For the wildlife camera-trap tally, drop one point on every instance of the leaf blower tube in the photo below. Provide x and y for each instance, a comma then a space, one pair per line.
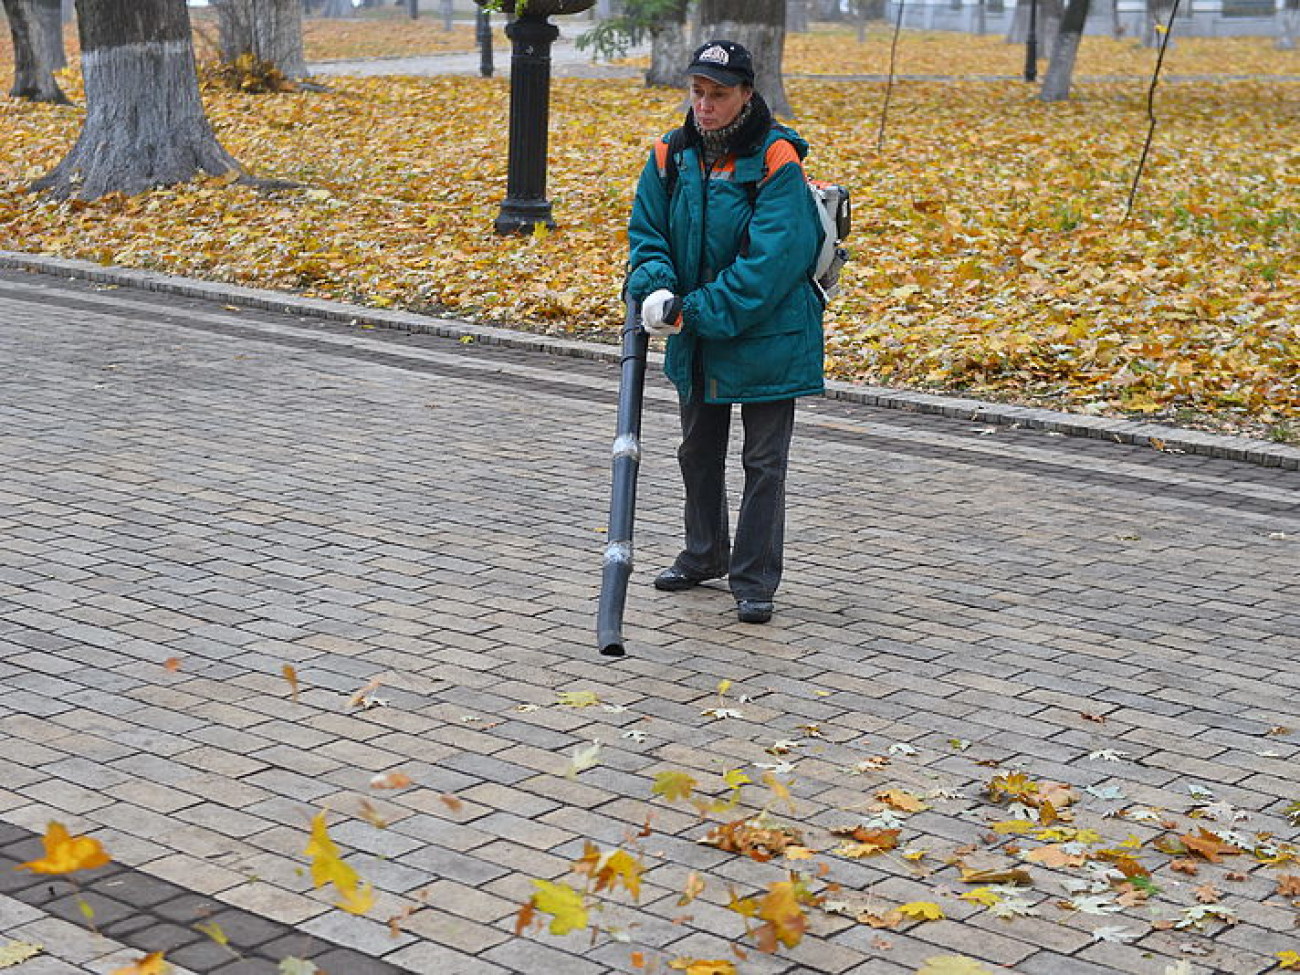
622, 500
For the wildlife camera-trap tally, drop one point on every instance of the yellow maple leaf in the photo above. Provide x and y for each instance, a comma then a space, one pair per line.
65, 853
563, 903
324, 853
327, 867
578, 699
695, 966
921, 911
673, 785
782, 909
1288, 960
608, 870
1014, 826
982, 895
150, 964
355, 899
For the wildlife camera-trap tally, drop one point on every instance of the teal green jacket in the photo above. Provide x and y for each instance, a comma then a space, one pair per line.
754, 319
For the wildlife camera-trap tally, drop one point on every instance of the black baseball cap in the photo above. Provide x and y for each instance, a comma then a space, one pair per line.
725, 62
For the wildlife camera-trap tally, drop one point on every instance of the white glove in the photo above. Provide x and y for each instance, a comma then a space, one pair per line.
661, 313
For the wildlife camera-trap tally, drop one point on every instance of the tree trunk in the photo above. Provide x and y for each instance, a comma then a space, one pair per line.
1288, 26
37, 30
52, 13
269, 30
1060, 69
760, 26
145, 125
670, 49
337, 8
796, 13
1049, 23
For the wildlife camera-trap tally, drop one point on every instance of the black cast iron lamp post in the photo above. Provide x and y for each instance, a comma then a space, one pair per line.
531, 36
1031, 43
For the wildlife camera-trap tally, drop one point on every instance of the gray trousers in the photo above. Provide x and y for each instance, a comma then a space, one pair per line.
753, 563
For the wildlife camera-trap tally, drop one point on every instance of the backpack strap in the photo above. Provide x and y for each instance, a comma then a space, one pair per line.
668, 152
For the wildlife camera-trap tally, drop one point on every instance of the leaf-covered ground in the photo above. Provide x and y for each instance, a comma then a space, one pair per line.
990, 252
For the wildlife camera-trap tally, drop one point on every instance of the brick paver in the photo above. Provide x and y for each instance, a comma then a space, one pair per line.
193, 497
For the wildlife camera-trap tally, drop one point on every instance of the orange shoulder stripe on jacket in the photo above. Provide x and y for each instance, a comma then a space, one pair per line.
778, 154
661, 155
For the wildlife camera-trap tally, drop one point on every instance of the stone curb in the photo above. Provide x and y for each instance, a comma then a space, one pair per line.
1169, 439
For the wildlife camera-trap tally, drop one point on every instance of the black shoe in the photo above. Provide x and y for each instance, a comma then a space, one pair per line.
753, 610
674, 579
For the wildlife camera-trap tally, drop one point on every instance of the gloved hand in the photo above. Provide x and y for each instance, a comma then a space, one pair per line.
661, 313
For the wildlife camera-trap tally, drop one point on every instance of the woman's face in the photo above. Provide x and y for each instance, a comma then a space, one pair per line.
716, 106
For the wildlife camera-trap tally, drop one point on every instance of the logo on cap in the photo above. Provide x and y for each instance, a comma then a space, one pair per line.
716, 53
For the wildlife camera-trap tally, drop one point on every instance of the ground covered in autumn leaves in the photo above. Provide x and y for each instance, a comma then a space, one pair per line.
991, 253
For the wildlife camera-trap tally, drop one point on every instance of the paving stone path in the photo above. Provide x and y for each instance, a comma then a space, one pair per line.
196, 494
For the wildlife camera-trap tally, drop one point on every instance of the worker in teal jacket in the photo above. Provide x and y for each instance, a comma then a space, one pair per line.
723, 236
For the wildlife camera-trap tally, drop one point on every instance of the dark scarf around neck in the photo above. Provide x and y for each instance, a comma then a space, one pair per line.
743, 136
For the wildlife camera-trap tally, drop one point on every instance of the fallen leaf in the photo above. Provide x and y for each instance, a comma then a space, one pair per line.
694, 966
150, 964
673, 785
953, 965
694, 887
1288, 960
921, 911
65, 853
1288, 885
782, 911
214, 931
577, 699
1012, 876
1206, 894
1056, 857
757, 842
1208, 845
902, 800
291, 676
390, 780
563, 903
1116, 935
584, 757
17, 952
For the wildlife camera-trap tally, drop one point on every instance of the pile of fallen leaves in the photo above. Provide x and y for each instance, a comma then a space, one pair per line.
991, 253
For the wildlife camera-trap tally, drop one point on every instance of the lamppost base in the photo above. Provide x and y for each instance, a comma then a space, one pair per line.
523, 216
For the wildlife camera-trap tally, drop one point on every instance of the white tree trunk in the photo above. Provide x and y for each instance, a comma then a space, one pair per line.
37, 30
145, 125
1288, 28
670, 50
1060, 69
270, 30
760, 26
1049, 23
